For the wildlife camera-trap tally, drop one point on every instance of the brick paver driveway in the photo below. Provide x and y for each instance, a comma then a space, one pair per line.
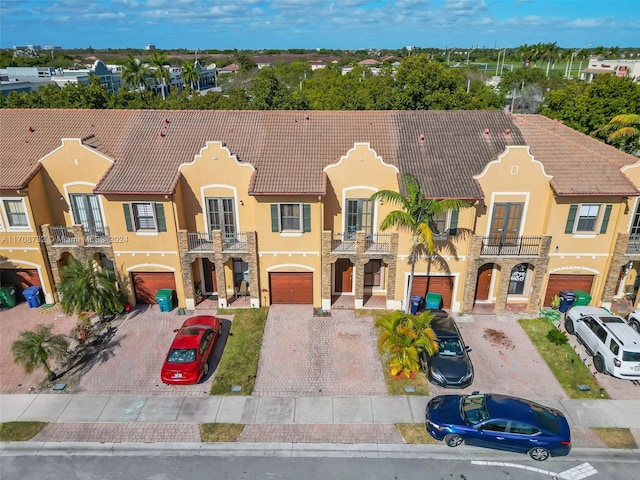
504, 359
13, 378
303, 355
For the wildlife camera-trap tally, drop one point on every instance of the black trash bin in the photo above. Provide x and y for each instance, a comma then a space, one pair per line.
33, 296
416, 301
567, 297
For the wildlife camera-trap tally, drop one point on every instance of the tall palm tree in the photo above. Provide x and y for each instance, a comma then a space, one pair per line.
38, 348
161, 73
403, 337
86, 288
191, 74
623, 131
135, 74
415, 215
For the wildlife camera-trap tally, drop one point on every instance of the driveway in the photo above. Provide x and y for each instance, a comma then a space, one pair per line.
303, 355
504, 359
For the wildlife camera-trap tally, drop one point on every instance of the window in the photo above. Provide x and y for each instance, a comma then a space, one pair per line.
444, 224
205, 342
16, 215
221, 217
495, 426
86, 211
585, 218
359, 216
614, 347
523, 429
144, 217
517, 279
372, 273
290, 217
240, 272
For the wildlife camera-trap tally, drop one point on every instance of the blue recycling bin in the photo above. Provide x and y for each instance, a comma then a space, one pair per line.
416, 301
33, 296
567, 297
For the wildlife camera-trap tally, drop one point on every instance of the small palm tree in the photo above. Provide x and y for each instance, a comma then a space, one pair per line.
38, 348
403, 337
415, 215
622, 131
161, 73
86, 288
135, 74
191, 74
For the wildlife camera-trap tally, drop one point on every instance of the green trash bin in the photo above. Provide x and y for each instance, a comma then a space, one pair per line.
164, 298
582, 298
433, 301
8, 296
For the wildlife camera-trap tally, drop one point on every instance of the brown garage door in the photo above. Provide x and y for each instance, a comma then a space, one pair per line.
566, 282
147, 284
440, 284
20, 278
291, 287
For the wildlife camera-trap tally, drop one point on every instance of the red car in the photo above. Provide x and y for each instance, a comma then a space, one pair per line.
188, 359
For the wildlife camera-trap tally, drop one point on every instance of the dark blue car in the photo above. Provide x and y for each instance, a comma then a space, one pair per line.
500, 422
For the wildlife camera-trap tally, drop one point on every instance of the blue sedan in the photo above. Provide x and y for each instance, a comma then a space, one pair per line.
500, 422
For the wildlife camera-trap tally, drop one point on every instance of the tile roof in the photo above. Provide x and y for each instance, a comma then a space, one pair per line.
289, 149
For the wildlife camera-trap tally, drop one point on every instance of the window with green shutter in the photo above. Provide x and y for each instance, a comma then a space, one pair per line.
453, 226
290, 217
605, 219
127, 217
571, 219
144, 217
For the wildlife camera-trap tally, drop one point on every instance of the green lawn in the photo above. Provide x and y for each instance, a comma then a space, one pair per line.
20, 431
220, 432
563, 361
239, 363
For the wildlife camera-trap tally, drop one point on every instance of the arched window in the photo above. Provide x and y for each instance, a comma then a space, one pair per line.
517, 279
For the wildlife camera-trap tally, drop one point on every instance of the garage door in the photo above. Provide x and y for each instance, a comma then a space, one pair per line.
20, 278
441, 285
291, 287
147, 284
566, 282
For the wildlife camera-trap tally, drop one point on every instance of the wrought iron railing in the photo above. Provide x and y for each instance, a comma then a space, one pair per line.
377, 243
343, 242
63, 236
199, 242
96, 236
517, 246
235, 243
633, 247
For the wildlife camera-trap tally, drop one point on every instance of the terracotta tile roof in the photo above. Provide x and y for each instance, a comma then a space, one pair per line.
580, 165
290, 148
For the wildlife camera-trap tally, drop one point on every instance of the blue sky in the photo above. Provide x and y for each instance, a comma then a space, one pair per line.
340, 24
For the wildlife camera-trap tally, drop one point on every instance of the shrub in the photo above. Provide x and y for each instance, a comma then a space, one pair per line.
557, 337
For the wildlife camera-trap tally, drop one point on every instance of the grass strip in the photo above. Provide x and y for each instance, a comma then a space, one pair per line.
239, 363
415, 433
220, 432
20, 431
616, 437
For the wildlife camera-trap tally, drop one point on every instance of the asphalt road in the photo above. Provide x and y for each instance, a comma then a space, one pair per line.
252, 466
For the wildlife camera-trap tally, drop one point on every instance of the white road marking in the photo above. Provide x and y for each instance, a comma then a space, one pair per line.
576, 473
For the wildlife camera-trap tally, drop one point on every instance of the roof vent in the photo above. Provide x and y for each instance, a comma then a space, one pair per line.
161, 134
507, 131
166, 120
306, 117
486, 132
30, 129
421, 137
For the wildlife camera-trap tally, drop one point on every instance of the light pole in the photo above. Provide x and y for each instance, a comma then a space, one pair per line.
449, 54
504, 54
573, 55
468, 53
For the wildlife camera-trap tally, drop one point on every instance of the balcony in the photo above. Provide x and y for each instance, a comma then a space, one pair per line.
633, 247
199, 242
519, 246
375, 243
96, 236
234, 243
343, 242
63, 236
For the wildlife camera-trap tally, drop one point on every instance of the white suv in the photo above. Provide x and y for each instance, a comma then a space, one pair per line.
614, 344
634, 320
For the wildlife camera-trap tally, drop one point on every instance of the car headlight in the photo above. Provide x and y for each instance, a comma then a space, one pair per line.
436, 426
468, 375
438, 376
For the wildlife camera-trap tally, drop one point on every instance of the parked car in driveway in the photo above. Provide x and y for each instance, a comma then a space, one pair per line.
187, 361
450, 366
500, 422
613, 344
634, 320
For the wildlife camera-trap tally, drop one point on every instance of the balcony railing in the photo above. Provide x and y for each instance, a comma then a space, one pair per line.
200, 242
63, 236
343, 242
377, 243
519, 246
96, 236
235, 243
633, 247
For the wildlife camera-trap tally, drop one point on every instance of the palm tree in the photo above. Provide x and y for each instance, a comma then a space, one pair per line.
135, 74
37, 348
86, 288
191, 74
415, 215
623, 131
161, 73
403, 337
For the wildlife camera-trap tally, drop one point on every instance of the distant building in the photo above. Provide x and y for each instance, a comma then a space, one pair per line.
231, 68
620, 68
150, 46
316, 64
52, 47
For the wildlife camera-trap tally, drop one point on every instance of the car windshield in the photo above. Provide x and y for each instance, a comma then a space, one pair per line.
449, 347
630, 356
473, 408
182, 355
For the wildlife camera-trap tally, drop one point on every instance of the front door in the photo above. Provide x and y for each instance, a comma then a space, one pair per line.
344, 276
484, 282
220, 216
505, 223
209, 274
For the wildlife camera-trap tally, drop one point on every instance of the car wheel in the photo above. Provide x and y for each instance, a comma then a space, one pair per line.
540, 454
568, 326
206, 369
598, 363
453, 440
635, 324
